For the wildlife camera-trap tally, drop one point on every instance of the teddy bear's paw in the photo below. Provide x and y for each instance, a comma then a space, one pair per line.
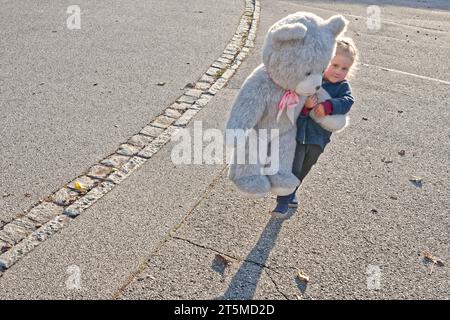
283, 184
256, 186
333, 123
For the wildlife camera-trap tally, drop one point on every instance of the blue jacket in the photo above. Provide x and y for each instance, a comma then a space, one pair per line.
308, 131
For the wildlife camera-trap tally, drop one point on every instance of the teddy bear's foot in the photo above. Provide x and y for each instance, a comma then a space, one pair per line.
283, 184
253, 186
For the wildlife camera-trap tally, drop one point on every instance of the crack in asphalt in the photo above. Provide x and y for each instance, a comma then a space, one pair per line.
266, 268
262, 265
276, 285
169, 236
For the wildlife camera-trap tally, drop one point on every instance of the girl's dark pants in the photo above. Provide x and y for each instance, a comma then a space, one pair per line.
306, 156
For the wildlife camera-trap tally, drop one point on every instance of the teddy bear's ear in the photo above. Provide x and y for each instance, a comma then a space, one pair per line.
336, 24
287, 32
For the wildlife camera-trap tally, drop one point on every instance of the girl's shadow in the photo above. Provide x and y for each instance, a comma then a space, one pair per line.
244, 282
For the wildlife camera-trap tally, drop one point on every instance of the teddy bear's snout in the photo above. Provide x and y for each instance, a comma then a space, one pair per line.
317, 88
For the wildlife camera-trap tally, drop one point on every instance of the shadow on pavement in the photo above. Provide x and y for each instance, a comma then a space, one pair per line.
243, 284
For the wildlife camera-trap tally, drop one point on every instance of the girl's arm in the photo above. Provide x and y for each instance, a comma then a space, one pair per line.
344, 102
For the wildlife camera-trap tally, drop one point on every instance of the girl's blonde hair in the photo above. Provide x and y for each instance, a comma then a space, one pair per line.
346, 47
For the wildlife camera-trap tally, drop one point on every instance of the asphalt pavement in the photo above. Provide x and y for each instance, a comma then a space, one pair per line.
70, 97
361, 225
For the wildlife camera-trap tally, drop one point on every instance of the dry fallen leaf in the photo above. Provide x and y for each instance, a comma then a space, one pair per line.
428, 256
302, 276
223, 259
79, 186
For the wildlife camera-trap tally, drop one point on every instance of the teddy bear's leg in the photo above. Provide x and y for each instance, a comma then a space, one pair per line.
249, 179
282, 179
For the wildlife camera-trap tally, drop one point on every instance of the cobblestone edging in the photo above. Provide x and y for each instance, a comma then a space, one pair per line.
21, 235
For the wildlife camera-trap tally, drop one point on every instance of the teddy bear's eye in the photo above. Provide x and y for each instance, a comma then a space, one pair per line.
308, 74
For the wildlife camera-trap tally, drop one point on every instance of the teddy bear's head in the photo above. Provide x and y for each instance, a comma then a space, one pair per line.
298, 48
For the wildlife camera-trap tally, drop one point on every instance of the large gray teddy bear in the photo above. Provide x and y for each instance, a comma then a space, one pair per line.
296, 51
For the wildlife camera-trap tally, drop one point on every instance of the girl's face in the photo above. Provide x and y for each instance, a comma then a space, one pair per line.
338, 68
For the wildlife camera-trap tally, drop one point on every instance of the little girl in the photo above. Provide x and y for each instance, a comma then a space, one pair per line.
311, 137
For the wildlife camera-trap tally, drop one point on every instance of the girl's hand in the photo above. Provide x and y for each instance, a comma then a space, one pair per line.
319, 110
311, 101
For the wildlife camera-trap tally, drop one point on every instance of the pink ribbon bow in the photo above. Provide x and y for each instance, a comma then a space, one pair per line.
289, 100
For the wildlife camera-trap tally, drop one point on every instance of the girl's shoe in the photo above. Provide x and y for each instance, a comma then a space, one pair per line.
280, 210
293, 203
